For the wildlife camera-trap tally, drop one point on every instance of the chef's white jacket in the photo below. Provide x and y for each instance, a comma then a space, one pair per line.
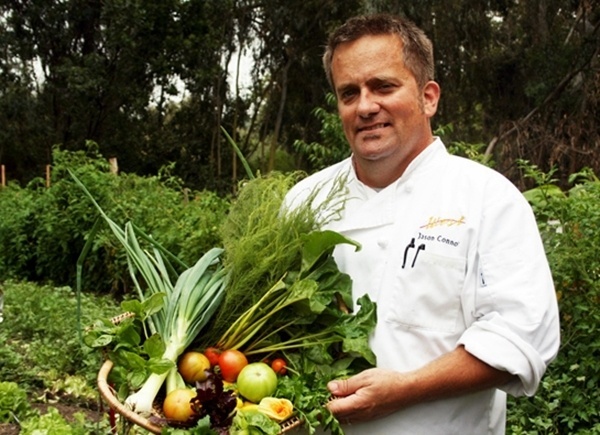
452, 255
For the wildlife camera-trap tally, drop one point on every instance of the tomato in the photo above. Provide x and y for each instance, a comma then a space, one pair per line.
257, 381
212, 353
231, 363
279, 366
192, 366
177, 404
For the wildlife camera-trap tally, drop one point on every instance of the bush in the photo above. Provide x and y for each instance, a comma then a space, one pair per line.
567, 400
44, 229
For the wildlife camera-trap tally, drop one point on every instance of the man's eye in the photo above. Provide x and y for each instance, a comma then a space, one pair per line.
346, 95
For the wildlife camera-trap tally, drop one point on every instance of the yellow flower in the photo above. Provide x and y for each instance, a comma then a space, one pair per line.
276, 409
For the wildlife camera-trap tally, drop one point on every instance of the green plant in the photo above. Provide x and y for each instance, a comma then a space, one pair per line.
333, 147
40, 334
471, 151
53, 423
14, 405
43, 229
567, 400
17, 223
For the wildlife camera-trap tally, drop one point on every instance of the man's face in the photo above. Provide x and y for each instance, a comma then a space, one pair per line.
384, 113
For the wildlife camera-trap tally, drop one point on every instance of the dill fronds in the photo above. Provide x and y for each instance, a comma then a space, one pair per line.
262, 243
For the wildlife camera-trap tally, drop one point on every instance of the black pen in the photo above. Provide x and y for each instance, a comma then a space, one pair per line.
419, 249
410, 245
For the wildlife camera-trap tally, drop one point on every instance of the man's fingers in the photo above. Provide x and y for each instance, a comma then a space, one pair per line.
341, 406
339, 387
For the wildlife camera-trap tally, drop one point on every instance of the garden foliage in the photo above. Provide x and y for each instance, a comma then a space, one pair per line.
44, 229
43, 361
567, 400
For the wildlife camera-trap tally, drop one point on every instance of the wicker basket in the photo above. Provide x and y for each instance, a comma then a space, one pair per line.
108, 394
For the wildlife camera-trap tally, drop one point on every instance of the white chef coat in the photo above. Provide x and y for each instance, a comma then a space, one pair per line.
452, 255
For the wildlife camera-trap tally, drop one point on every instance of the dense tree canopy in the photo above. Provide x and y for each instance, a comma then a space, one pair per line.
150, 82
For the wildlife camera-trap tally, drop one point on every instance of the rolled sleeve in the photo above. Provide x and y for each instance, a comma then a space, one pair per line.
499, 347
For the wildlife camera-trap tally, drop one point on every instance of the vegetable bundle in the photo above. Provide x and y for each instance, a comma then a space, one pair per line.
273, 290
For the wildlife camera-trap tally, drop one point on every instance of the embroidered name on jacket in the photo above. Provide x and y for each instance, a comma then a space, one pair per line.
435, 222
443, 222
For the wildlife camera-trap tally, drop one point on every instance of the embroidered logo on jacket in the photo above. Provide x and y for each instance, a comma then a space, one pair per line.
443, 222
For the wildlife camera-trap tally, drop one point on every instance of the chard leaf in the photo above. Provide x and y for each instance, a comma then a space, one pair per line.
318, 354
302, 290
332, 281
357, 328
360, 346
318, 243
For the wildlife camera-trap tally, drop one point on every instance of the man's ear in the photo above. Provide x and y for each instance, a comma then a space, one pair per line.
431, 96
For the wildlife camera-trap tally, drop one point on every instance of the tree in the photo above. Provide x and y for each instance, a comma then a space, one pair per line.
148, 81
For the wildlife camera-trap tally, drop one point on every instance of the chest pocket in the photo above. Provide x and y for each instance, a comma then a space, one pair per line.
427, 295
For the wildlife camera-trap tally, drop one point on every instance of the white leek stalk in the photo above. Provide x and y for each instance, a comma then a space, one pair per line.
188, 307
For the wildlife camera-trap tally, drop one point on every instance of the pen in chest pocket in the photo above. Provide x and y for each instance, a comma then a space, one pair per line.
410, 246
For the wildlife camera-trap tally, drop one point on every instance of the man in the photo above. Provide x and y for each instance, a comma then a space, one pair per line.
450, 252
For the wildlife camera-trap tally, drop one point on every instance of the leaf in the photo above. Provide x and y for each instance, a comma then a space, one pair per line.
357, 328
153, 304
137, 378
127, 359
160, 365
154, 346
103, 340
302, 290
318, 243
133, 306
254, 422
128, 335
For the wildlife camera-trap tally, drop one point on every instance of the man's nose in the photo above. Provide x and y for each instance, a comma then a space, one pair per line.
367, 104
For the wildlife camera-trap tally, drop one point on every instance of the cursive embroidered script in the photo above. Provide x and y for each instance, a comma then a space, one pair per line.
443, 222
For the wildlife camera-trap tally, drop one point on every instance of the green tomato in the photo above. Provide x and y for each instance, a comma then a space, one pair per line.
257, 381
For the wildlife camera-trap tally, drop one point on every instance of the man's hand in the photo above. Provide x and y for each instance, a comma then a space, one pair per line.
368, 395
376, 392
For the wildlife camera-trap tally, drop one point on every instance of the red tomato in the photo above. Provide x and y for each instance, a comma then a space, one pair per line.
279, 366
231, 363
212, 353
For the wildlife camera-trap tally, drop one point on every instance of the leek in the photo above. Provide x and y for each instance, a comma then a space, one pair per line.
192, 302
189, 303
